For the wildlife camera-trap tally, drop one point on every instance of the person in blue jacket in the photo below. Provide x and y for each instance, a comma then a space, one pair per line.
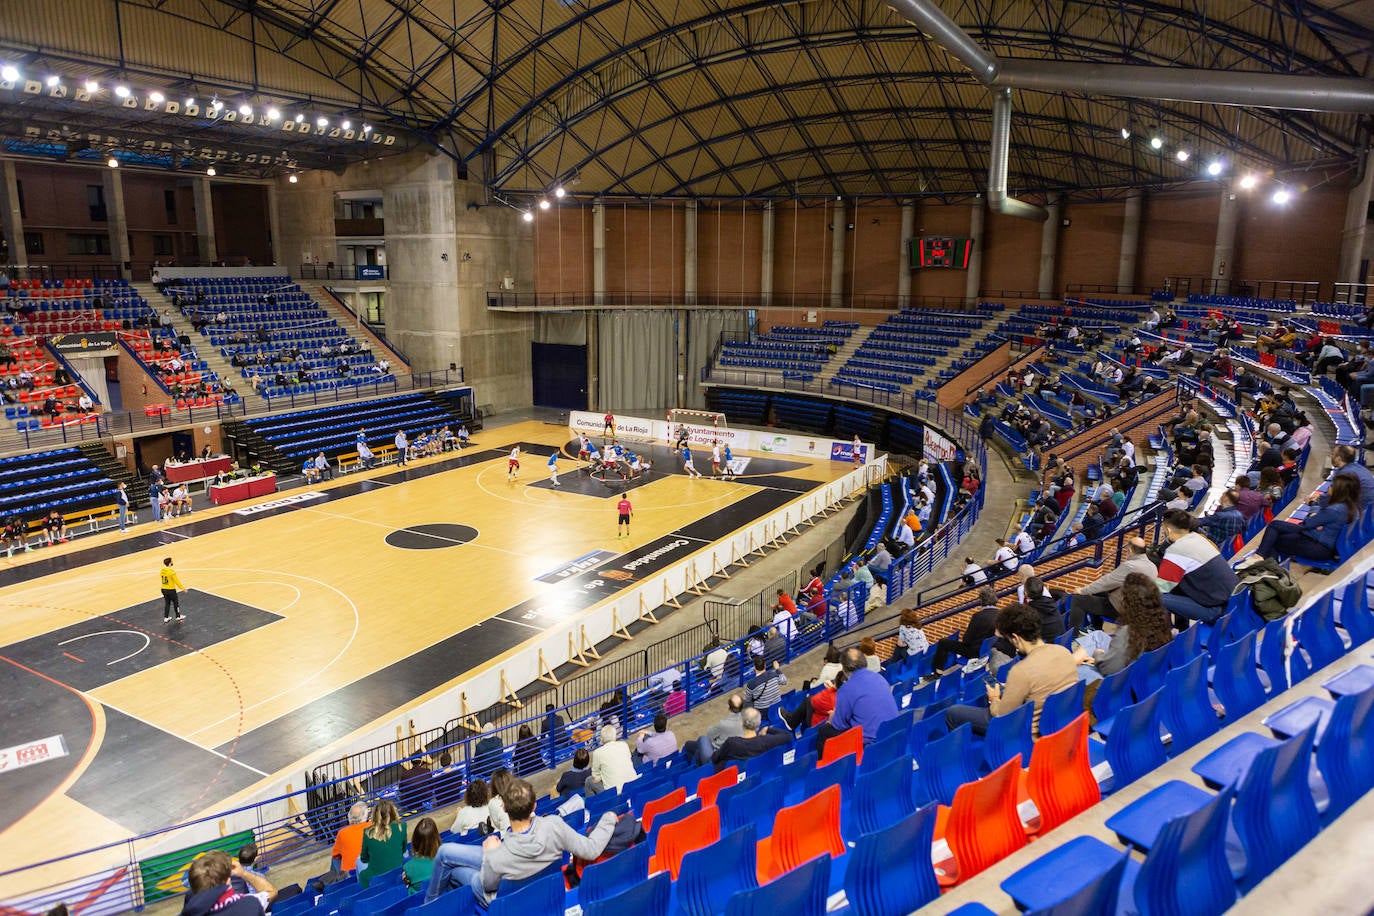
1315, 537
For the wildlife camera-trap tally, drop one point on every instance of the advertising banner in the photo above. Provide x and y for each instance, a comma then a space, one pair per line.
163, 875
594, 424
844, 451
938, 448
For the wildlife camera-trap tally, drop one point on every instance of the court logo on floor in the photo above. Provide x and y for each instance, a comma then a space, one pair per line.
431, 537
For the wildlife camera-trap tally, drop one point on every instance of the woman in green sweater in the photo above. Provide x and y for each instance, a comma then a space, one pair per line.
384, 843
424, 843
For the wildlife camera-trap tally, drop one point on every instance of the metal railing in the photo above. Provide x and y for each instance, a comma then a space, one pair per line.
333, 271
506, 299
1304, 292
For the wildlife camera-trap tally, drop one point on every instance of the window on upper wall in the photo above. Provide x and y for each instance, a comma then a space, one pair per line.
163, 246
79, 243
169, 200
33, 242
95, 200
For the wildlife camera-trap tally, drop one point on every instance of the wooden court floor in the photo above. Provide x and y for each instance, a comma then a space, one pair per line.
304, 624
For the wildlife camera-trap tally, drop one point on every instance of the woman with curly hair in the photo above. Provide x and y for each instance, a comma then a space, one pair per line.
1143, 626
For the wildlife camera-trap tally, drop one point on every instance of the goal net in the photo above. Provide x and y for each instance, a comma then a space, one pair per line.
710, 418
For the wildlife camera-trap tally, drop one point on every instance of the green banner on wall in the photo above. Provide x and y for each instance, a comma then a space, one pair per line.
164, 875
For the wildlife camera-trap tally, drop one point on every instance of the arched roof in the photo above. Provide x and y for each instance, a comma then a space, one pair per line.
687, 97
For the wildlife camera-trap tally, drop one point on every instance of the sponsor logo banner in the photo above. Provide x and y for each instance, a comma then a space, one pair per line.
844, 451
90, 341
581, 564
706, 435
164, 875
937, 447
26, 755
279, 503
594, 424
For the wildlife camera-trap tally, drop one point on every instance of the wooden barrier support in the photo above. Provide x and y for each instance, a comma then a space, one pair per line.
646, 613
575, 652
669, 598
466, 715
508, 695
695, 583
546, 670
740, 556
718, 568
757, 549
618, 628
589, 647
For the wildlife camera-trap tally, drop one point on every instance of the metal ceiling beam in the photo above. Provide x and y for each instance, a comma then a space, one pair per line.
1217, 87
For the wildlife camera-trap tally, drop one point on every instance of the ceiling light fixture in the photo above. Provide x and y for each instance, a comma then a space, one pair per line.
112, 162
92, 86
122, 91
1282, 196
10, 73
1215, 167
347, 125
190, 101
559, 192
157, 98
1156, 143
299, 117
543, 203
1181, 155
210, 171
321, 122
273, 114
1125, 133
54, 81
246, 110
291, 178
367, 128
1248, 182
527, 216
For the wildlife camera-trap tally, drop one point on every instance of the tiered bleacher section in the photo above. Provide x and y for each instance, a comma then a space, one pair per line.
276, 331
193, 384
910, 342
284, 441
64, 479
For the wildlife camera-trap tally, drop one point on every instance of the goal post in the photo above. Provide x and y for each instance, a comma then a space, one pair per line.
708, 418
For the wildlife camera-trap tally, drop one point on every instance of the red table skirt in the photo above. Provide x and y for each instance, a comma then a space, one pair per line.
196, 470
243, 489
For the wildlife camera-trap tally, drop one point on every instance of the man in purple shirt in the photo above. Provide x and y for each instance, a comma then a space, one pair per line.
864, 699
659, 743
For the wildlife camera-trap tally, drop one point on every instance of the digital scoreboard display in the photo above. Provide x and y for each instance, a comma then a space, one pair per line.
940, 251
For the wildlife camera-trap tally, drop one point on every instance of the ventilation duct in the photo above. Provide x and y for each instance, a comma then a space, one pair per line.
998, 201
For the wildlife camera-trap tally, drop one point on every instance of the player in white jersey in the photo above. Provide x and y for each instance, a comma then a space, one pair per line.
715, 460
513, 464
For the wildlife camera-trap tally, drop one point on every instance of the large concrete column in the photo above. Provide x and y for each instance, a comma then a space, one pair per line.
599, 252
689, 253
973, 280
1223, 255
1353, 231
117, 219
205, 222
274, 227
838, 221
11, 220
1049, 248
680, 339
904, 261
766, 268
1130, 244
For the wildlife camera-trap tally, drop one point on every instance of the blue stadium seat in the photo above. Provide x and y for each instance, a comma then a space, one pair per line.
1316, 632
643, 896
882, 795
1187, 710
890, 870
541, 896
800, 892
1113, 695
945, 764
1135, 747
755, 807
1080, 877
1185, 870
712, 875
1281, 669
1346, 755
1275, 814
1061, 708
1236, 679
621, 871
1008, 735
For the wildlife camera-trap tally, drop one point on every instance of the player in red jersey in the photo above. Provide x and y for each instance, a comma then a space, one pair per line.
625, 510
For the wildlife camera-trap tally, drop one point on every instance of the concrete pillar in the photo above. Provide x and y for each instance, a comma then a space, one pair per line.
205, 222
274, 228
766, 271
11, 221
904, 261
118, 221
973, 280
1353, 231
1130, 244
689, 253
1223, 255
593, 360
1049, 248
599, 253
839, 219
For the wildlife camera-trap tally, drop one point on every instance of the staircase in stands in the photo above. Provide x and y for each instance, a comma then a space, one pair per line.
113, 468
347, 320
856, 340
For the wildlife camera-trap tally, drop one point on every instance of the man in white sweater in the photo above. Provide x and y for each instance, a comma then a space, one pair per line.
1100, 599
531, 845
612, 765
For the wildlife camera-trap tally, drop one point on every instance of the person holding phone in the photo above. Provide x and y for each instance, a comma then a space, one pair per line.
1045, 668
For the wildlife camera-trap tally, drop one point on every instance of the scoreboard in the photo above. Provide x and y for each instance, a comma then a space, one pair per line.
940, 251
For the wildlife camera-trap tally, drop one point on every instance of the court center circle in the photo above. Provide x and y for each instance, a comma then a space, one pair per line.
431, 537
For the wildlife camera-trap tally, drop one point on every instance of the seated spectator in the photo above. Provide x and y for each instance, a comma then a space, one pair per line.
1315, 537
475, 810
384, 843
349, 840
911, 639
764, 689
981, 626
574, 779
54, 527
755, 739
1142, 626
653, 746
973, 573
310, 472
181, 500
487, 753
528, 756
869, 647
1249, 501
700, 751
865, 699
246, 856
532, 845
208, 879
1101, 599
1094, 525
84, 403
424, 845
1039, 600
1196, 580
612, 765
1224, 522
1044, 669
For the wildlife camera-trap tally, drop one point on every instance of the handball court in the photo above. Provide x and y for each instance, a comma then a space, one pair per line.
307, 620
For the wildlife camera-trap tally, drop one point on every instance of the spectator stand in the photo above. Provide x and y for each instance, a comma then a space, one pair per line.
918, 562
64, 479
1341, 409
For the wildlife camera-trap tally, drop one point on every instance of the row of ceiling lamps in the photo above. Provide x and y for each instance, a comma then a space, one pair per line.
543, 204
1214, 169
113, 163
